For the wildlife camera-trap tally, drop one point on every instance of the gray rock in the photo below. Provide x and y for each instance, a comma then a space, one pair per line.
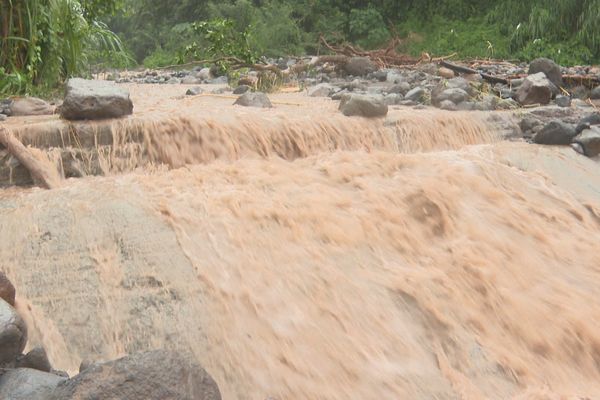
220, 90
507, 104
321, 90
549, 68
3, 117
241, 89
587, 121
402, 88
28, 384
7, 290
23, 106
194, 91
13, 333
221, 80
580, 92
457, 83
563, 101
589, 140
87, 99
155, 375
85, 364
191, 80
395, 77
363, 105
359, 66
203, 74
467, 106
173, 81
339, 95
254, 99
381, 75
455, 95
448, 105
528, 124
555, 133
393, 99
407, 103
415, 94
36, 359
595, 95
536, 89
488, 103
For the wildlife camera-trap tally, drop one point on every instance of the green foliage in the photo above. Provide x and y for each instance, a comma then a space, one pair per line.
45, 41
223, 40
367, 28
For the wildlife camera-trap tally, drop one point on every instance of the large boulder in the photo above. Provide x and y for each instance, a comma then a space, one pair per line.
595, 95
549, 68
536, 89
155, 375
359, 66
7, 290
254, 99
555, 133
27, 384
363, 105
13, 333
589, 140
89, 99
23, 106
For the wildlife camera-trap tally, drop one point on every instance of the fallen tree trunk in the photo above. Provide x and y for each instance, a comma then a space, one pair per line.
42, 176
466, 70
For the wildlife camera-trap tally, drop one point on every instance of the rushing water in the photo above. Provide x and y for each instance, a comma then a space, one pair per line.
309, 256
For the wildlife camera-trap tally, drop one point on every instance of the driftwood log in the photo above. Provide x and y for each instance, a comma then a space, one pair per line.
466, 70
44, 177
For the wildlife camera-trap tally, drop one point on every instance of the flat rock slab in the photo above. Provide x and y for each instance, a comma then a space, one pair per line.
90, 100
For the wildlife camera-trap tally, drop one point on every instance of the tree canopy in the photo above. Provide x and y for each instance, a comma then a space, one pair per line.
45, 41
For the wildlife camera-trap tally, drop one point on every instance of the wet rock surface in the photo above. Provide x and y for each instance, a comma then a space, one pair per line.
363, 105
254, 99
155, 375
28, 384
90, 99
13, 333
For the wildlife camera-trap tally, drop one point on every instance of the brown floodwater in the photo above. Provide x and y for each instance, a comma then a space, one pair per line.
300, 254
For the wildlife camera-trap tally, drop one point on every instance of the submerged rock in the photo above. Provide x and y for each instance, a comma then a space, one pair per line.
194, 91
254, 99
13, 333
88, 99
154, 375
27, 384
363, 105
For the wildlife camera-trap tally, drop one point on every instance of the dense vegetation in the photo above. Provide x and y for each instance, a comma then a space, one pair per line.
45, 41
